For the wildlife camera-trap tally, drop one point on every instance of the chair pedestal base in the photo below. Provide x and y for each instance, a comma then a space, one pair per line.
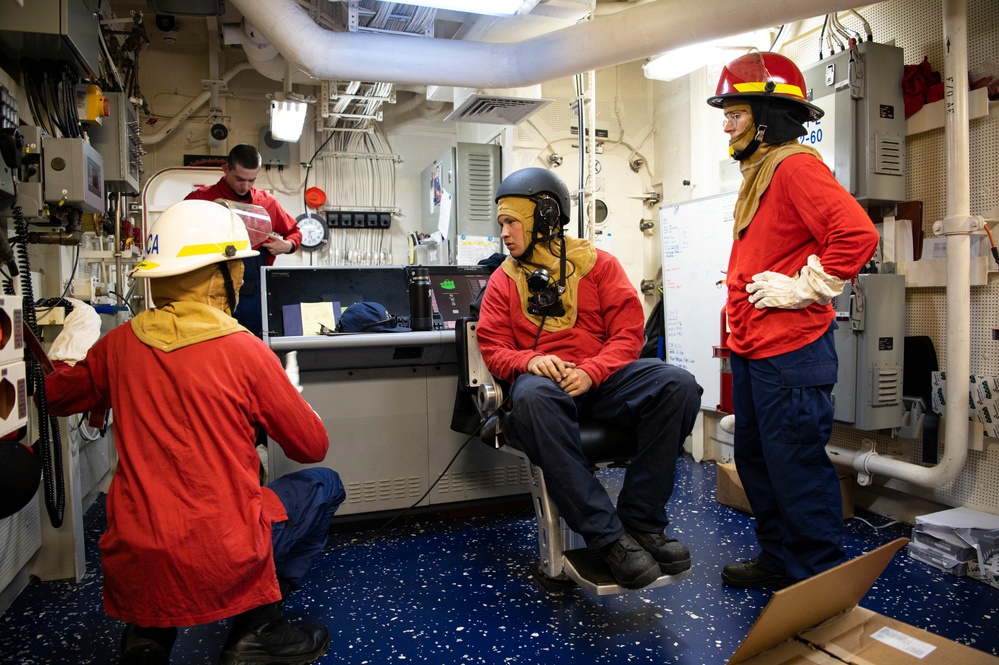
565, 561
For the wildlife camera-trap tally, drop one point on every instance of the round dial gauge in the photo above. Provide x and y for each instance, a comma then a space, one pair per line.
314, 230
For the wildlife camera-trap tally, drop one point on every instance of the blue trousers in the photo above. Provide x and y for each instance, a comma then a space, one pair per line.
783, 420
310, 498
659, 401
248, 309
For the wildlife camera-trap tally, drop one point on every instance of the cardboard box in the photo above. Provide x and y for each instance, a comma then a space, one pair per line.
731, 493
819, 620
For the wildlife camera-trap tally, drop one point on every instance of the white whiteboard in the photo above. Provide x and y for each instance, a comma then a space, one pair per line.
697, 239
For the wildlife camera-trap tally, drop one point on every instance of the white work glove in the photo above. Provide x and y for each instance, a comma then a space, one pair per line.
728, 423
812, 284
80, 331
291, 369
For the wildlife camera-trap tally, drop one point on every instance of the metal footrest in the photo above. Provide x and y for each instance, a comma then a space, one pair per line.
587, 568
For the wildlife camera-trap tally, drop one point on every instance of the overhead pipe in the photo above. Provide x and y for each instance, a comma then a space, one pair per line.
957, 227
191, 107
625, 36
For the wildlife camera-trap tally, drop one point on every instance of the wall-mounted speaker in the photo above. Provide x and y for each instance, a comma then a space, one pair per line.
272, 151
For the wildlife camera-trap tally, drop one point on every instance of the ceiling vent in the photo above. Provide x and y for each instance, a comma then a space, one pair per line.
492, 110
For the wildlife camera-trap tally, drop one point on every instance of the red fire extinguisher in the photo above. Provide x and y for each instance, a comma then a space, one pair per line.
722, 353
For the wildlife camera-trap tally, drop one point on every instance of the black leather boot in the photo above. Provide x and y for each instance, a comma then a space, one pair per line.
630, 565
262, 635
146, 646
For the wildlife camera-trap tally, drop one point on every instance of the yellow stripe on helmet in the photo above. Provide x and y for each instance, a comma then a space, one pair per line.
147, 265
761, 86
212, 248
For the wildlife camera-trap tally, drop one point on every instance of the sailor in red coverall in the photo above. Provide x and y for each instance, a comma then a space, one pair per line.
574, 350
798, 237
192, 536
236, 184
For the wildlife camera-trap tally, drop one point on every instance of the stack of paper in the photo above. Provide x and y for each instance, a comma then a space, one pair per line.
959, 541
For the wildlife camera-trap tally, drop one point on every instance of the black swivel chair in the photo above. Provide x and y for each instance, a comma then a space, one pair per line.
564, 559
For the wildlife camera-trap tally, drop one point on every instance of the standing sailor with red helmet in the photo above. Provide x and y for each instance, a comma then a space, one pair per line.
192, 537
798, 237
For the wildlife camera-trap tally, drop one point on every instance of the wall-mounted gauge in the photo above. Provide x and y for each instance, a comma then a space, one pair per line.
315, 232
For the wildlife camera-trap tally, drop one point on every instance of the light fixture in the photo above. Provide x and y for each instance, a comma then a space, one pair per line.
680, 62
287, 119
488, 7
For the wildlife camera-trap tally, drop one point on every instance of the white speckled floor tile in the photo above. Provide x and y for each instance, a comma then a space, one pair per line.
460, 591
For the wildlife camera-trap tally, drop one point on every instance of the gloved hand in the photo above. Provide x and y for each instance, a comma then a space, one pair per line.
727, 423
291, 369
80, 331
812, 284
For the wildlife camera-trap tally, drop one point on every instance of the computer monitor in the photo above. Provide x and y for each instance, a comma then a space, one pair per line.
453, 289
293, 285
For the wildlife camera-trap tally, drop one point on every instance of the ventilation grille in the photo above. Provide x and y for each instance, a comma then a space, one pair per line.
885, 388
384, 489
889, 155
496, 110
481, 177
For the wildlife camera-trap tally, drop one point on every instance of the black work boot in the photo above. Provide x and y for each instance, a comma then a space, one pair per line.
262, 635
672, 556
146, 646
754, 574
631, 566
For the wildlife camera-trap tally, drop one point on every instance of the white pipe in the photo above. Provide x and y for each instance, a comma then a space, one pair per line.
639, 32
262, 54
192, 106
590, 186
958, 178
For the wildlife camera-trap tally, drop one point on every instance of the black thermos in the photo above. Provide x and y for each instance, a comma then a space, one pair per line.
421, 315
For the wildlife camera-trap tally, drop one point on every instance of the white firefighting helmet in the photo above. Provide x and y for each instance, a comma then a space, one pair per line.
190, 235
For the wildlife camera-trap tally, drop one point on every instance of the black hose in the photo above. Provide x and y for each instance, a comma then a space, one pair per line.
49, 442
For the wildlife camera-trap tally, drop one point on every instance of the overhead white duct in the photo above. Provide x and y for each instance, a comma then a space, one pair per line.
628, 35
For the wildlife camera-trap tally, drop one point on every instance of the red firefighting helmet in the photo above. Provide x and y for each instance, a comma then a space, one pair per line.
759, 76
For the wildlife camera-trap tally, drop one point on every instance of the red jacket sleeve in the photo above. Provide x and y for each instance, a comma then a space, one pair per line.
501, 351
623, 319
286, 416
607, 335
846, 234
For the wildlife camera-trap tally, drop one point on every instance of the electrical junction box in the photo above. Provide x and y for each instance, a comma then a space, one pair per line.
11, 330
73, 174
119, 143
13, 397
13, 373
861, 137
870, 343
64, 30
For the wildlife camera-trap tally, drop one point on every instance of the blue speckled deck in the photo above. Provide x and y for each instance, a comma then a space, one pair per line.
460, 592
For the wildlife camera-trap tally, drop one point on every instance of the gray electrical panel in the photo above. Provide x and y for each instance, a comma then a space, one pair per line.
73, 174
462, 182
65, 30
861, 92
119, 142
870, 343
